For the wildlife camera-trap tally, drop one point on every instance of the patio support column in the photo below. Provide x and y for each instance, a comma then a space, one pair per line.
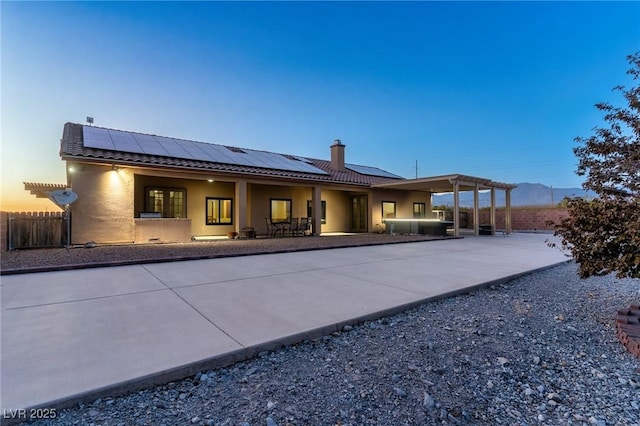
507, 213
476, 215
240, 206
456, 208
493, 210
316, 210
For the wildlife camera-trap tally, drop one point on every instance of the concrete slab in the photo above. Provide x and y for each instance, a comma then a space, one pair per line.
51, 352
88, 333
66, 286
254, 311
209, 271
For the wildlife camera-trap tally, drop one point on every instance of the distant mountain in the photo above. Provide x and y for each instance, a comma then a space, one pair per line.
526, 194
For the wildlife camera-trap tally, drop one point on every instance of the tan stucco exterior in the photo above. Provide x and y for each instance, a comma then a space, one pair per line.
197, 192
404, 204
162, 230
129, 195
104, 211
111, 200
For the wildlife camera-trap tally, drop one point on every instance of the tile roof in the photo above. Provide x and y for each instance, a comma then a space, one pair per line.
72, 147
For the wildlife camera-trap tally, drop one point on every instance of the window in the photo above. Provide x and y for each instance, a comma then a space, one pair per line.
219, 211
323, 218
388, 209
419, 210
280, 210
169, 202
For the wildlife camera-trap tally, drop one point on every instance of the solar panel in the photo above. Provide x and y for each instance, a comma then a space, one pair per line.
237, 157
174, 147
193, 148
277, 161
150, 145
216, 152
309, 167
371, 171
261, 159
118, 140
249, 158
96, 137
124, 141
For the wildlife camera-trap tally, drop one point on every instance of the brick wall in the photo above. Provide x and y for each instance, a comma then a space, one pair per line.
523, 218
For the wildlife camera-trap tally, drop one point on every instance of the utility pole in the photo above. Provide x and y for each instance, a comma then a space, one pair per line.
416, 167
551, 195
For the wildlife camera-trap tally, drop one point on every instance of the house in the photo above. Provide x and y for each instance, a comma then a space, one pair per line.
139, 188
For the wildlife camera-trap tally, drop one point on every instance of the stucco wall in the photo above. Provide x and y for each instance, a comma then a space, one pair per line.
260, 204
197, 193
162, 230
404, 205
104, 210
338, 211
110, 200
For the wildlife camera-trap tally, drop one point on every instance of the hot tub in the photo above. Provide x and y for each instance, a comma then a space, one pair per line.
417, 226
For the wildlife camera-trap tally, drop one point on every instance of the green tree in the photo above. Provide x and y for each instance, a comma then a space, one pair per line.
603, 233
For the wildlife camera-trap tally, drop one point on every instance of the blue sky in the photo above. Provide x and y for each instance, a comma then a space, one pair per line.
491, 89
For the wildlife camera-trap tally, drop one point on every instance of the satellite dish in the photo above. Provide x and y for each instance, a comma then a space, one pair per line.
62, 197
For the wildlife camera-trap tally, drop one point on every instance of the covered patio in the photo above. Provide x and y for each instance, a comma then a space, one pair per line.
457, 183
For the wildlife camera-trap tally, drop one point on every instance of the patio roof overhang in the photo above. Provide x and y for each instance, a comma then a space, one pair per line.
42, 190
457, 183
445, 183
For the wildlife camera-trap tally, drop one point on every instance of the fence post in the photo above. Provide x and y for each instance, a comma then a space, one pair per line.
9, 226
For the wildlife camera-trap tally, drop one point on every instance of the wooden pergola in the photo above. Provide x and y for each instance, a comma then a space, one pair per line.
457, 183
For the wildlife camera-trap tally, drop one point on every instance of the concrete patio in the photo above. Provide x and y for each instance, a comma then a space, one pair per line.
77, 335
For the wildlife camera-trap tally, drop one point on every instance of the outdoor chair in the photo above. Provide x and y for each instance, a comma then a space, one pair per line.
271, 228
303, 226
294, 226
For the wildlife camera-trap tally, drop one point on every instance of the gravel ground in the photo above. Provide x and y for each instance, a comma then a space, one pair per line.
540, 349
44, 259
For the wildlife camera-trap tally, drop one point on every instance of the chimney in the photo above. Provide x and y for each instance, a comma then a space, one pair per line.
337, 156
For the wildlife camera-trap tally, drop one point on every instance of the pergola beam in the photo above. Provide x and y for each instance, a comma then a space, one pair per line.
458, 183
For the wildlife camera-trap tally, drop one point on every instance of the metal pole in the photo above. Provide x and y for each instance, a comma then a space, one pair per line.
67, 209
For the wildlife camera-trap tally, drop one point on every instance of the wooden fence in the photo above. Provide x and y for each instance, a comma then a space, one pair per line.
36, 230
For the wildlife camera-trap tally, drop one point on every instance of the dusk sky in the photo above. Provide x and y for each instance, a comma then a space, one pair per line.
496, 90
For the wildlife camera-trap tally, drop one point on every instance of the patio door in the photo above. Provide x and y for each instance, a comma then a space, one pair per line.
359, 213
